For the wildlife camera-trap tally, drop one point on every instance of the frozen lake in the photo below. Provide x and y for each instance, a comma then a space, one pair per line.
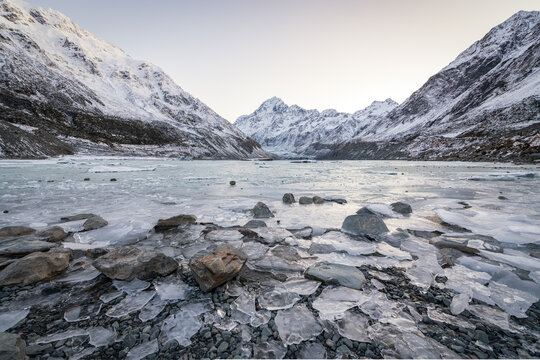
39, 192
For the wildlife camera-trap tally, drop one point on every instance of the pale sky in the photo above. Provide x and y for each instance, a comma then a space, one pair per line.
340, 54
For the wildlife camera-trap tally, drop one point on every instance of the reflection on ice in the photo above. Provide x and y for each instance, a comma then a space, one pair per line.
9, 319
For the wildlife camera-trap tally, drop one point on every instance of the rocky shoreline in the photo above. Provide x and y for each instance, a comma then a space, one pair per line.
198, 290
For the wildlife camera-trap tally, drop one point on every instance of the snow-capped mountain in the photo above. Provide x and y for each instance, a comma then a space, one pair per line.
485, 105
294, 131
63, 90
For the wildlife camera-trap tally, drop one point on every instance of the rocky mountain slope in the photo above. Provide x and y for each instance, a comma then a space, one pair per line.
294, 131
485, 105
63, 91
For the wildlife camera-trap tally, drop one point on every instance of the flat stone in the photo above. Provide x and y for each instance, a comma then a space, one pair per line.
448, 244
262, 211
12, 347
305, 200
33, 268
23, 245
216, 265
401, 207
95, 222
127, 263
288, 198
13, 231
77, 217
364, 223
253, 224
173, 222
336, 274
52, 234
318, 200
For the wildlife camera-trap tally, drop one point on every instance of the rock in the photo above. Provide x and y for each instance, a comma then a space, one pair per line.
128, 262
5, 211
173, 222
336, 200
13, 231
502, 198
305, 200
12, 347
450, 255
95, 253
77, 217
401, 207
364, 223
536, 254
262, 211
95, 222
449, 244
318, 200
33, 268
23, 246
232, 182
216, 265
288, 198
53, 234
253, 224
113, 179
86, 179
336, 274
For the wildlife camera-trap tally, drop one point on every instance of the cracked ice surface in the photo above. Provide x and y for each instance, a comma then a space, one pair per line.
185, 323
337, 241
61, 336
297, 324
172, 289
79, 313
152, 309
353, 326
513, 301
100, 336
276, 299
131, 287
143, 350
131, 303
333, 301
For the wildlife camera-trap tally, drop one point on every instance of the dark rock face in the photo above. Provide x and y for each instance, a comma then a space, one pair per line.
23, 246
95, 222
253, 224
173, 222
318, 200
12, 347
33, 268
127, 263
262, 211
364, 223
288, 198
12, 231
336, 274
216, 266
305, 200
401, 207
53, 234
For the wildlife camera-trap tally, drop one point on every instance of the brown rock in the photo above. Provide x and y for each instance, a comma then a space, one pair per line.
175, 221
13, 231
33, 268
77, 217
53, 234
12, 347
95, 222
216, 266
127, 263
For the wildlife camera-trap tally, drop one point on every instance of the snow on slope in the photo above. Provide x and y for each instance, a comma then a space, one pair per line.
45, 58
294, 131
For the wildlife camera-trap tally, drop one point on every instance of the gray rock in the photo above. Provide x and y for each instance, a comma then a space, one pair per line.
127, 263
336, 274
23, 245
173, 222
318, 200
33, 268
288, 198
401, 207
232, 182
77, 217
364, 222
262, 211
449, 244
253, 224
216, 266
13, 231
223, 347
336, 200
95, 222
305, 200
12, 347
52, 234
37, 349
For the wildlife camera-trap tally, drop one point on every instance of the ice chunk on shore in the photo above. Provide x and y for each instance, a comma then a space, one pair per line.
100, 336
131, 287
392, 252
333, 301
108, 297
459, 303
143, 350
68, 334
513, 301
439, 316
312, 350
86, 274
172, 289
185, 323
299, 286
131, 303
261, 317
275, 299
152, 309
423, 271
338, 241
519, 261
9, 319
224, 235
80, 313
470, 282
269, 350
353, 326
297, 324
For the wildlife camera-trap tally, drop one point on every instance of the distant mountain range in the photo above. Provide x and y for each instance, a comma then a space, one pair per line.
64, 91
485, 105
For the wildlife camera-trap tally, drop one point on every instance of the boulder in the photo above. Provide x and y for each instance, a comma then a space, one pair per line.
262, 211
174, 222
12, 347
13, 231
77, 217
336, 274
401, 207
318, 200
365, 222
340, 201
305, 200
33, 268
216, 265
253, 224
128, 262
53, 234
23, 246
95, 222
288, 198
